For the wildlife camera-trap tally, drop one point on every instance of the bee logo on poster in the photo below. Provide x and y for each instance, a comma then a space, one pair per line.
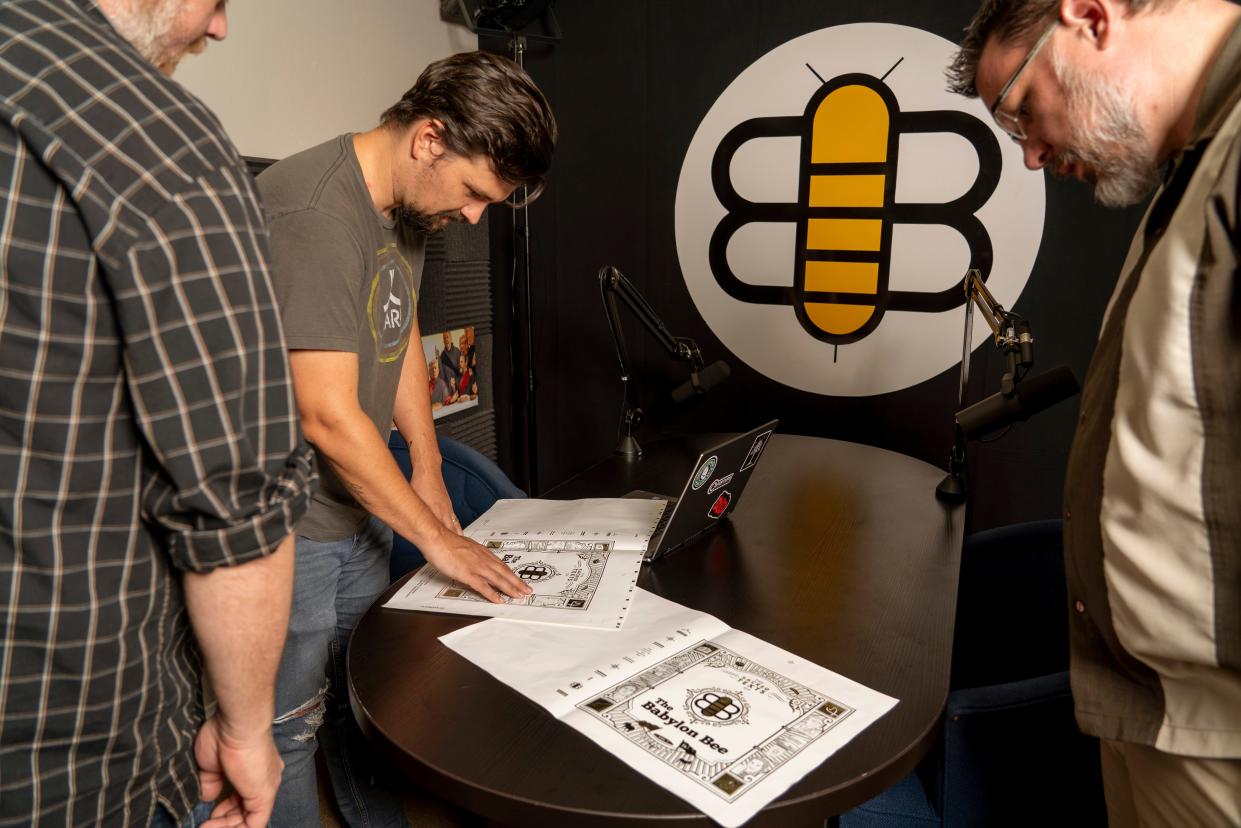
831, 202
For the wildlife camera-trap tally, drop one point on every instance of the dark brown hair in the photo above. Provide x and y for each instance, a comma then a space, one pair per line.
486, 105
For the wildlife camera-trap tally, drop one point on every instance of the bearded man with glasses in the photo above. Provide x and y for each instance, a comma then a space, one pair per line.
1111, 92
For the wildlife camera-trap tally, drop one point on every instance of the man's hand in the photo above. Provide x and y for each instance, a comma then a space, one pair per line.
474, 565
250, 764
430, 487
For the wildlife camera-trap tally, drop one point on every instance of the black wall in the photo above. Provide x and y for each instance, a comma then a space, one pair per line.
629, 83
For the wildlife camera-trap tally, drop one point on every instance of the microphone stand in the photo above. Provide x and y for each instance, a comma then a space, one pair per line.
1013, 337
613, 284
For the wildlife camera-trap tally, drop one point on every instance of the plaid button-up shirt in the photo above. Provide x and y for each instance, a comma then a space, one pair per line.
147, 420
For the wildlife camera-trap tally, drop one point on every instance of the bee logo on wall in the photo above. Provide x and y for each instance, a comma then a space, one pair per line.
832, 201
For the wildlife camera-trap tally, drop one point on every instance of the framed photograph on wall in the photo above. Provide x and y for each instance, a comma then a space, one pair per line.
452, 366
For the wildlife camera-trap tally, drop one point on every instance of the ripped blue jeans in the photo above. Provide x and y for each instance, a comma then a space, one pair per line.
333, 585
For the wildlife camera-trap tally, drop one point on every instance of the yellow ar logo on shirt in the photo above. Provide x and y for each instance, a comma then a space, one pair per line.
392, 303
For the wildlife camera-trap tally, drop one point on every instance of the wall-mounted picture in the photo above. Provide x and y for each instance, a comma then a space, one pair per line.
452, 365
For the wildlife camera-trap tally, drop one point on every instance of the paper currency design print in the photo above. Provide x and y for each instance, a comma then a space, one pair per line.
717, 717
570, 584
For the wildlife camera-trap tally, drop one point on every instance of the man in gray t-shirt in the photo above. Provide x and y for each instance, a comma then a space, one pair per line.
348, 222
347, 283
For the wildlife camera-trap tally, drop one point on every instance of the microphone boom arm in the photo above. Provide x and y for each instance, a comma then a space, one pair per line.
1011, 332
1012, 336
613, 284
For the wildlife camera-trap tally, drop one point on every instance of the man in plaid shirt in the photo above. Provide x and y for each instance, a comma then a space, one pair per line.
151, 464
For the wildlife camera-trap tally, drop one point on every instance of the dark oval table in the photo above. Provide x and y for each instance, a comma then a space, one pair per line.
837, 552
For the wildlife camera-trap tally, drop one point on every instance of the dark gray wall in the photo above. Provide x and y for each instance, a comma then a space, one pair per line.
456, 292
630, 83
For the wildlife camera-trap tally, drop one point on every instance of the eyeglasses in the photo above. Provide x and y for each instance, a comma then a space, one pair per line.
1007, 121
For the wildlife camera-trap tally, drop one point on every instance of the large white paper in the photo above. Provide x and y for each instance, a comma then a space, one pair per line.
581, 557
718, 717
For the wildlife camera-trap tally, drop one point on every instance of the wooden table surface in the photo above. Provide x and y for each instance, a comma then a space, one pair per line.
838, 552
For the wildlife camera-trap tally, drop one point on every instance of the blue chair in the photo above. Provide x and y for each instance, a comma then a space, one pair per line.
473, 481
1010, 751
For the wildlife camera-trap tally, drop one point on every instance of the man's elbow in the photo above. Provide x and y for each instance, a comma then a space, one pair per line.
324, 425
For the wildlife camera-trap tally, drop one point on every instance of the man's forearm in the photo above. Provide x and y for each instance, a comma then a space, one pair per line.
414, 420
362, 461
424, 450
240, 615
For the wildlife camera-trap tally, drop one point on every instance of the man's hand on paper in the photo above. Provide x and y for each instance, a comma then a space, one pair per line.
461, 559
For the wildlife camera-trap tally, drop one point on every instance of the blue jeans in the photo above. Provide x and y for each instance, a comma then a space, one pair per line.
333, 585
196, 817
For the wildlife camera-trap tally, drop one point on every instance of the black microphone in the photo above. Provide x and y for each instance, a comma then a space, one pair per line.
1029, 397
700, 382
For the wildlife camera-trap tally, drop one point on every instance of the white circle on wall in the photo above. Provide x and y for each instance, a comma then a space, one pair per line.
838, 264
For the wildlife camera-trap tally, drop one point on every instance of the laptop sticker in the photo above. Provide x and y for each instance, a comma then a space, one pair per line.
756, 450
704, 472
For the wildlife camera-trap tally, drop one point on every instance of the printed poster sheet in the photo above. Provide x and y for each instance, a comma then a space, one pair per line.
723, 720
581, 557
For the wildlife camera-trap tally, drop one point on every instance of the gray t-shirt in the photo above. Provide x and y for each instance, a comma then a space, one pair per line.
346, 280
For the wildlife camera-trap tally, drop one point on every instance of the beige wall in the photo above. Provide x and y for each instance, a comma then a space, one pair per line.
293, 73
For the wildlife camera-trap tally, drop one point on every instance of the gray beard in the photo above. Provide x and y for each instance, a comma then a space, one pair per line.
146, 24
1107, 138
